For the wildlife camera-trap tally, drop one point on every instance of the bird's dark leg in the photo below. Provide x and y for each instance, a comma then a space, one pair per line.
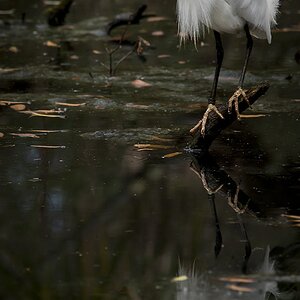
220, 55
248, 53
240, 92
212, 98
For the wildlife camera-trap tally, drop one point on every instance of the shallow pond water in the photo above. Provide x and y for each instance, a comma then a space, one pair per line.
86, 215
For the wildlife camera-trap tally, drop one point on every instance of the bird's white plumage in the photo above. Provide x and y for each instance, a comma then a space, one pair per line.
195, 16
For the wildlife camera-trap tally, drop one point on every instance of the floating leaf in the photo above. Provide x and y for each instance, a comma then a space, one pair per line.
48, 146
164, 56
5, 102
252, 116
47, 131
158, 138
140, 146
25, 135
1, 135
240, 289
156, 19
74, 57
237, 279
18, 107
179, 278
158, 33
97, 52
7, 70
7, 12
173, 154
295, 217
51, 44
13, 49
70, 104
138, 106
140, 83
38, 114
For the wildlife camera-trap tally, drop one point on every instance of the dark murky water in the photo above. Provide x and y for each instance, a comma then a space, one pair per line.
90, 217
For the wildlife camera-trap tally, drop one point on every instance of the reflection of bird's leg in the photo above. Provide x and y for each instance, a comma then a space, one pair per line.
248, 248
201, 175
233, 202
212, 99
219, 240
240, 92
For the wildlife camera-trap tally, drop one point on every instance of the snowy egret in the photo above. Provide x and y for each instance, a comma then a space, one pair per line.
255, 17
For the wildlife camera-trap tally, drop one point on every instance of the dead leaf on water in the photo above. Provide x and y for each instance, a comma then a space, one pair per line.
158, 138
13, 49
140, 84
97, 52
156, 19
48, 146
295, 217
164, 56
146, 149
26, 135
252, 116
6, 102
237, 279
170, 155
18, 107
47, 131
153, 146
7, 70
70, 104
7, 11
179, 278
158, 33
51, 44
138, 106
1, 135
45, 115
240, 289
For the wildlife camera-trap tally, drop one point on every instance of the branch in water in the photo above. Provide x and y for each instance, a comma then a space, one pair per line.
215, 124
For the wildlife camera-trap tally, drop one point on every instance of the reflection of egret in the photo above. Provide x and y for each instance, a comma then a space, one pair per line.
256, 17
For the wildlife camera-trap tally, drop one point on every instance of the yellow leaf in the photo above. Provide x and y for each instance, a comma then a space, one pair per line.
252, 116
152, 146
170, 155
179, 278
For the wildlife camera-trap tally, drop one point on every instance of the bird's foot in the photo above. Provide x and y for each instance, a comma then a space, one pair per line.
233, 202
203, 121
235, 100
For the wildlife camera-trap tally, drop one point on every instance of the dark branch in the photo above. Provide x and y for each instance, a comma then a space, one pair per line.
128, 19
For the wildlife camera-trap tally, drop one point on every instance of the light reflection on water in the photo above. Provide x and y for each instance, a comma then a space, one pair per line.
97, 218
